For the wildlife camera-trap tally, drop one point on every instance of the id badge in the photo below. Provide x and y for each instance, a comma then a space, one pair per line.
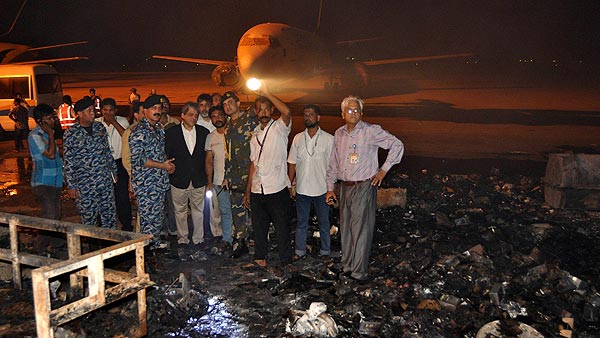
353, 158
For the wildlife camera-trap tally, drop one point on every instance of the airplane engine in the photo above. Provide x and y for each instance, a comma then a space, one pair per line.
226, 75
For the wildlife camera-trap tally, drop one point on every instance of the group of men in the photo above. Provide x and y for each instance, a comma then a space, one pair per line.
240, 156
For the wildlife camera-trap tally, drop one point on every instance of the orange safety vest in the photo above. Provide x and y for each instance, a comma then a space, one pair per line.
66, 115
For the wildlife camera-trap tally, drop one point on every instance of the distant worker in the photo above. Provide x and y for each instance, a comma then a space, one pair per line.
237, 140
204, 102
267, 192
354, 164
19, 114
24, 103
66, 113
133, 96
97, 101
47, 173
216, 152
185, 144
150, 170
307, 163
216, 99
90, 169
115, 127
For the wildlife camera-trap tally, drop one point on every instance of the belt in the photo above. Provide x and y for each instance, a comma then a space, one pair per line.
352, 183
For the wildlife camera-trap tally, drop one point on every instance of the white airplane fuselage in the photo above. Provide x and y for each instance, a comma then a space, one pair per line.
279, 51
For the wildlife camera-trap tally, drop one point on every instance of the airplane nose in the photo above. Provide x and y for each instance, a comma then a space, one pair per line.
254, 61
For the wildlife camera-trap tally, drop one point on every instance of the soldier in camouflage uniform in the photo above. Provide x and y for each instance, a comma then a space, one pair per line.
150, 169
90, 168
237, 163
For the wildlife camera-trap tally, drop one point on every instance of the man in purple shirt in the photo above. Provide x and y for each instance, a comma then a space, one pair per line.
354, 164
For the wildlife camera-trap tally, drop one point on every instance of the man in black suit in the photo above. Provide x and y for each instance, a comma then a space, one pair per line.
185, 143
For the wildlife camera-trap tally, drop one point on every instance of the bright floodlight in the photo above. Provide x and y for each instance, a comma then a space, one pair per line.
209, 194
253, 84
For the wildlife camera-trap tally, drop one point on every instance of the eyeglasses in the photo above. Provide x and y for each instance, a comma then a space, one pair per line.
353, 111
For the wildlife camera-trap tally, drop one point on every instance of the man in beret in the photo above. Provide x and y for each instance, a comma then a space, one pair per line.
237, 163
115, 127
90, 169
150, 169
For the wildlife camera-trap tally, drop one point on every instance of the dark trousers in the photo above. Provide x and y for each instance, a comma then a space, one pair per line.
20, 135
272, 208
122, 201
49, 199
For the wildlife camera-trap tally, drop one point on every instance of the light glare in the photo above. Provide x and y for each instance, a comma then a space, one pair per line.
253, 84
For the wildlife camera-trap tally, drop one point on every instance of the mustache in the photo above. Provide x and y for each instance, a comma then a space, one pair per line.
264, 118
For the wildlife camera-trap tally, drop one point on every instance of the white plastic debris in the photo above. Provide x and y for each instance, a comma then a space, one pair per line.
314, 322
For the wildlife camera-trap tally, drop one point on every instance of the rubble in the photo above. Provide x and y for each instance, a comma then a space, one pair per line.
466, 252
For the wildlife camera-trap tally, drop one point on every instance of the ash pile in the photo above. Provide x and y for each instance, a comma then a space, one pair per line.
469, 256
466, 256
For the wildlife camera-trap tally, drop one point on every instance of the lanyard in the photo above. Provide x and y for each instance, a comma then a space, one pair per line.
314, 147
261, 144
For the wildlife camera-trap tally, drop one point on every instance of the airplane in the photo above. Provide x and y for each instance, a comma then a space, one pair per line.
21, 54
277, 51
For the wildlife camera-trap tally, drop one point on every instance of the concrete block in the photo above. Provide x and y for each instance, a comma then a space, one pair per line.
568, 170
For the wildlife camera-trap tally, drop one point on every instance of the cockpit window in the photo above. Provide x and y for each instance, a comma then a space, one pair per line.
274, 42
249, 41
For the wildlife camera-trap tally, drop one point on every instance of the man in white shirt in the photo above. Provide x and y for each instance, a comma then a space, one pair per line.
216, 152
204, 102
267, 190
307, 163
115, 126
185, 144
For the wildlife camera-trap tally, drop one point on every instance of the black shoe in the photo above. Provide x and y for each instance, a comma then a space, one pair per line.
346, 273
239, 249
363, 281
200, 246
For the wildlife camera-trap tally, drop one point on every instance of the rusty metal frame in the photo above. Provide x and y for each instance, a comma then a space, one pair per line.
78, 266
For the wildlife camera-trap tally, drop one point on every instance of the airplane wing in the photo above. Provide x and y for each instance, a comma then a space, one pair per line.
57, 46
191, 60
414, 59
33, 62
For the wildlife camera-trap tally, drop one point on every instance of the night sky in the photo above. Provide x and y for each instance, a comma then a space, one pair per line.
122, 34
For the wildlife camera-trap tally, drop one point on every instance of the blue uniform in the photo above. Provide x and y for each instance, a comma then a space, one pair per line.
90, 168
147, 142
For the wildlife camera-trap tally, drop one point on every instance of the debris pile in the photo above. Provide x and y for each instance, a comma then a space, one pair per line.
477, 255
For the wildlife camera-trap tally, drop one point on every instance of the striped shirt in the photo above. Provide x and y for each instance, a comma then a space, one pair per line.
354, 155
46, 171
